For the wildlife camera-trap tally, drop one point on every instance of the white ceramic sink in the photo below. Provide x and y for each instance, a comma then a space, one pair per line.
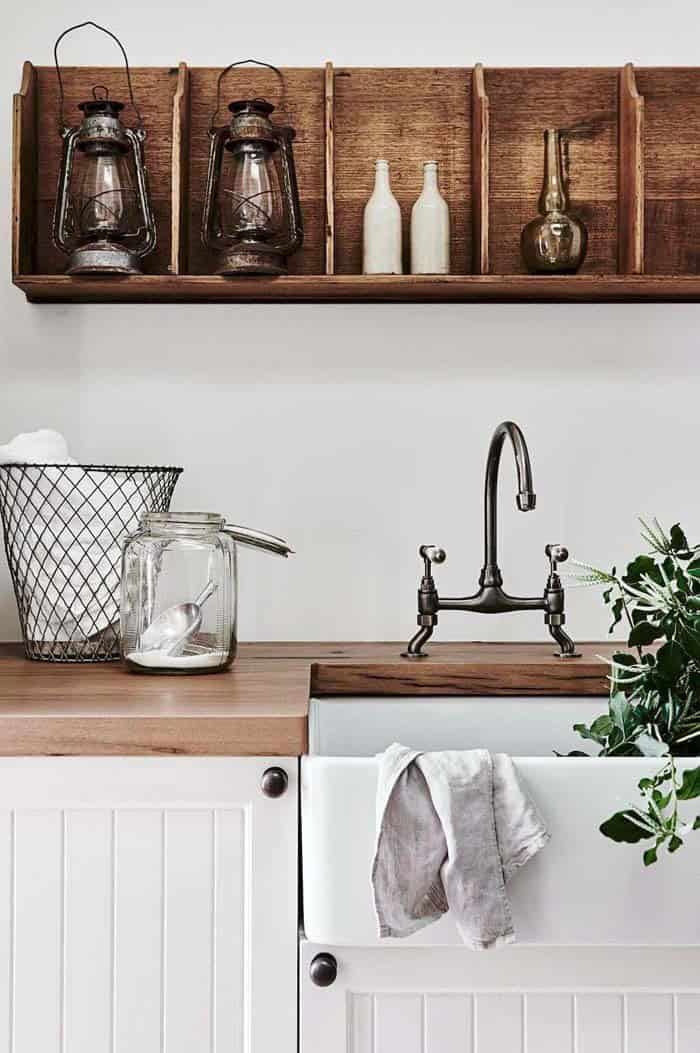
582, 889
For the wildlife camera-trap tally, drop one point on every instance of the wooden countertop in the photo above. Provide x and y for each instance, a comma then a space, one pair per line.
260, 706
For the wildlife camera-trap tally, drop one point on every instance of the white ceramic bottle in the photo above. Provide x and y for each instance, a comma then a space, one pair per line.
430, 227
381, 227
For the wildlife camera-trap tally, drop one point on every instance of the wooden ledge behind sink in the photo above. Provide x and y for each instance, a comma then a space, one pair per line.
459, 669
260, 706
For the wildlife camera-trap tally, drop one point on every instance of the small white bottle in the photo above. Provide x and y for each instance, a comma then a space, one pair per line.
430, 227
381, 227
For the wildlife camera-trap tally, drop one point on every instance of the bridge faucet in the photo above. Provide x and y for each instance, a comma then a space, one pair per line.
490, 597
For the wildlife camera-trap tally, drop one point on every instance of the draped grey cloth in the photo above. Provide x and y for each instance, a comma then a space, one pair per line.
452, 828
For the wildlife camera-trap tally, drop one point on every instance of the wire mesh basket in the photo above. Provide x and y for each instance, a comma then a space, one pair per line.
63, 526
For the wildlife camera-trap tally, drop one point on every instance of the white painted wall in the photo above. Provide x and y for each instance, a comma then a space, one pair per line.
361, 431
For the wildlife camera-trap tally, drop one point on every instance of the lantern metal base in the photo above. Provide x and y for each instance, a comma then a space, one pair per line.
103, 257
253, 261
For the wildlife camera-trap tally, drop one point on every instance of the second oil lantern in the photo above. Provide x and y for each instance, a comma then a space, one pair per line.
252, 213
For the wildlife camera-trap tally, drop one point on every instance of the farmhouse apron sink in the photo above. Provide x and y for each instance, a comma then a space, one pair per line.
582, 889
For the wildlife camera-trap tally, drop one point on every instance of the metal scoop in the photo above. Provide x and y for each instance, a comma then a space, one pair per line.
172, 629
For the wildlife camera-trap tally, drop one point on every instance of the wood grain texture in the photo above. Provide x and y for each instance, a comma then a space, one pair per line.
480, 173
459, 669
583, 104
630, 229
330, 167
300, 104
672, 169
260, 707
492, 288
24, 173
407, 116
483, 127
179, 184
153, 91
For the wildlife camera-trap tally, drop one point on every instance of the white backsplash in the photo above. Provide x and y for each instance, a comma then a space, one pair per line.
359, 432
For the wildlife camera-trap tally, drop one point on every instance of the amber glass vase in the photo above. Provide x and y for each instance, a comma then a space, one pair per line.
555, 242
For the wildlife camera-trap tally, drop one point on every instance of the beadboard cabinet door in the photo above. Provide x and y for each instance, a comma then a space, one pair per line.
147, 906
528, 1000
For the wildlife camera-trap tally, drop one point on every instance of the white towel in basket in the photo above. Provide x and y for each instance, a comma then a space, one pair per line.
72, 539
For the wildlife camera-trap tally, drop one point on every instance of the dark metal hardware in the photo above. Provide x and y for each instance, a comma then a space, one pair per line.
242, 62
490, 598
274, 782
323, 970
82, 25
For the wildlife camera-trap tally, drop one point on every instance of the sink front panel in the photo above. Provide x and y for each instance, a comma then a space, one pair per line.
582, 889
525, 727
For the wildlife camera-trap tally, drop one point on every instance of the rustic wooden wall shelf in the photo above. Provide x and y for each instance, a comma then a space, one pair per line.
632, 149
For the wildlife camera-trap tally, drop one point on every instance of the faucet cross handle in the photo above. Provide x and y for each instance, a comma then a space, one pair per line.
431, 554
555, 554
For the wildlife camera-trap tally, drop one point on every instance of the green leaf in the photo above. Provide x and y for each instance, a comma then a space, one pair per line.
602, 726
693, 568
696, 824
660, 799
650, 857
622, 714
617, 609
683, 584
690, 786
670, 661
586, 733
644, 633
689, 640
675, 843
627, 827
641, 565
622, 658
679, 542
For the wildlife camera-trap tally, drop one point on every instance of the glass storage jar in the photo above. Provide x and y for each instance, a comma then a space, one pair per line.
179, 590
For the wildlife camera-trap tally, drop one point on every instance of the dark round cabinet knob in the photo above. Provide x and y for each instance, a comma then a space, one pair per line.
274, 782
323, 970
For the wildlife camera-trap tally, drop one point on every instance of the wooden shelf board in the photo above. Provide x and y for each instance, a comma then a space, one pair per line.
297, 288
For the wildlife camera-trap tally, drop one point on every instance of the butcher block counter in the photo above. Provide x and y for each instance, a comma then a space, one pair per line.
260, 706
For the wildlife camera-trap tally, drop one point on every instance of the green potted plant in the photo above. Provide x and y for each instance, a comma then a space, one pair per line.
654, 706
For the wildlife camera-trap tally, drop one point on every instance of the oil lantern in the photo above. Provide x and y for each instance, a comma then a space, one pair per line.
252, 214
102, 219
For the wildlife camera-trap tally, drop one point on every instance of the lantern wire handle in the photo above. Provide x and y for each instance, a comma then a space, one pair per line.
81, 25
242, 62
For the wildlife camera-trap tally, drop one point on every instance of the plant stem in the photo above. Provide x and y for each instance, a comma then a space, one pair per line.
674, 798
625, 608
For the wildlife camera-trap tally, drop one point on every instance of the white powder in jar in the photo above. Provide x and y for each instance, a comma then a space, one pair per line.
160, 660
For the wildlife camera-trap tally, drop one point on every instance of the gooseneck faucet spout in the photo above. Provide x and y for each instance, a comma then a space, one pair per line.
525, 500
490, 597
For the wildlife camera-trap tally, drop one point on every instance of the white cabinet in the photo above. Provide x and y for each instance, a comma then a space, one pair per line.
519, 1000
147, 906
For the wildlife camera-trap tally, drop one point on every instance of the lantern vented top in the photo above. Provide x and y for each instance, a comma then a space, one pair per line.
254, 105
95, 106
